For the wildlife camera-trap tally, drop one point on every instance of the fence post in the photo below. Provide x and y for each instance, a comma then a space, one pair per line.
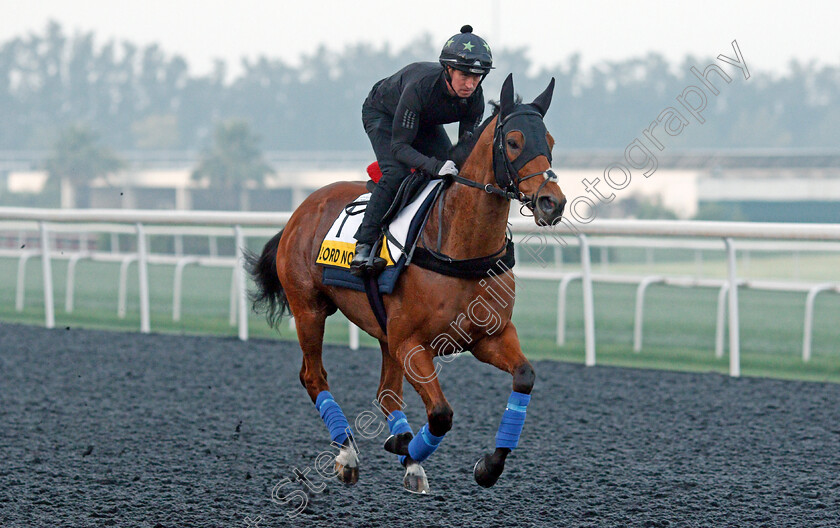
21, 280
239, 239
588, 304
71, 280
234, 298
720, 325
46, 267
640, 310
734, 334
809, 318
143, 273
122, 294
177, 286
561, 306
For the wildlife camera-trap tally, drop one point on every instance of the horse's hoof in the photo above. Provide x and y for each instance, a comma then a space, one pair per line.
347, 465
398, 444
347, 475
415, 479
487, 470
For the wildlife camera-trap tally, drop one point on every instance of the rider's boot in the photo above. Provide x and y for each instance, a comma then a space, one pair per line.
366, 260
360, 260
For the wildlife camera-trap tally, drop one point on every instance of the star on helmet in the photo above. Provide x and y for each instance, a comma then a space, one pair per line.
468, 45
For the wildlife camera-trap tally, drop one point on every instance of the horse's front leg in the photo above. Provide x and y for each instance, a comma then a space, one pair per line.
503, 352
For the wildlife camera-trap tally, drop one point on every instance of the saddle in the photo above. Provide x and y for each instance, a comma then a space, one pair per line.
404, 222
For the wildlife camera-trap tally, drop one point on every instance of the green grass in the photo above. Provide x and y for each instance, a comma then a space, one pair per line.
679, 328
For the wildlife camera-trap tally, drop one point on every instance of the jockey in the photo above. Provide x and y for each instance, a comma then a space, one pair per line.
404, 115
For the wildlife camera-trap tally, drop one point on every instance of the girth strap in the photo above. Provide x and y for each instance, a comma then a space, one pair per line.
476, 268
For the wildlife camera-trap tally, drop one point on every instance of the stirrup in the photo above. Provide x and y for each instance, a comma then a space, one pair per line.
373, 264
376, 264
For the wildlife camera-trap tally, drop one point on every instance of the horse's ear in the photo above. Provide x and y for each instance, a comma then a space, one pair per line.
506, 103
543, 100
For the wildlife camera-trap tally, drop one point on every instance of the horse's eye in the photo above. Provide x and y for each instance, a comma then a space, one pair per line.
512, 144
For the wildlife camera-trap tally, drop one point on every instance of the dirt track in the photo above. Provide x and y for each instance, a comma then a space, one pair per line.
118, 429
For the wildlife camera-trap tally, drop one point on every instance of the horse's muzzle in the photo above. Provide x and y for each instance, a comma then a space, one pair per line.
549, 210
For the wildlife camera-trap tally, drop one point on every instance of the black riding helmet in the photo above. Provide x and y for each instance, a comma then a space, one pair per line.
467, 52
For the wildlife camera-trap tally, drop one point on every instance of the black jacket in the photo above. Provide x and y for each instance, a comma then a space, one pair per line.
417, 97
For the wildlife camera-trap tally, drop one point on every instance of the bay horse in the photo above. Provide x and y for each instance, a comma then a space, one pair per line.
429, 314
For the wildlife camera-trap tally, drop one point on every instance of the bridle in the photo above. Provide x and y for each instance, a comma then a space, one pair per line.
507, 180
506, 176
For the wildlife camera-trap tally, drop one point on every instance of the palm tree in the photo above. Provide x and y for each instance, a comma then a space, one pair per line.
77, 159
233, 161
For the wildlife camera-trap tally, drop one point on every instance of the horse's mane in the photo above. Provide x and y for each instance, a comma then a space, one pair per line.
462, 150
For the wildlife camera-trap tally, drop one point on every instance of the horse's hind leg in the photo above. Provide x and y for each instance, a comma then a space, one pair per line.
391, 404
310, 321
504, 352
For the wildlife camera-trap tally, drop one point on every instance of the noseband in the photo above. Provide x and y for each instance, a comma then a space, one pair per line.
506, 176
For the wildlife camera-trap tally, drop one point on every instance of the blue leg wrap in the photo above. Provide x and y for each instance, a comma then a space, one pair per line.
423, 444
398, 424
512, 420
333, 417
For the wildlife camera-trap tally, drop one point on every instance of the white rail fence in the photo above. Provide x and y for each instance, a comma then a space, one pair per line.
700, 236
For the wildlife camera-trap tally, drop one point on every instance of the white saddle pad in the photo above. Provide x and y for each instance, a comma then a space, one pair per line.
339, 244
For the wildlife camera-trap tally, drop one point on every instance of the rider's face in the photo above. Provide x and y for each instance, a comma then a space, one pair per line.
463, 84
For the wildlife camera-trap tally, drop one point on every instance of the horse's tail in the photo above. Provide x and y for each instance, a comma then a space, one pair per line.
269, 296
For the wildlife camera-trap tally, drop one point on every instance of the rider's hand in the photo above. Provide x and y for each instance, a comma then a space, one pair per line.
448, 169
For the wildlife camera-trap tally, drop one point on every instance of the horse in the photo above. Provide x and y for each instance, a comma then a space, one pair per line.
429, 314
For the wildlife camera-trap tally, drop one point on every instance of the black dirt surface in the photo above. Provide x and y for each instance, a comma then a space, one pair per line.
119, 429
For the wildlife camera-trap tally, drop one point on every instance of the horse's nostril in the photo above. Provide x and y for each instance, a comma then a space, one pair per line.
547, 204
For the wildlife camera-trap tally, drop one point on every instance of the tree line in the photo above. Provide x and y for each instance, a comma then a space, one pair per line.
144, 98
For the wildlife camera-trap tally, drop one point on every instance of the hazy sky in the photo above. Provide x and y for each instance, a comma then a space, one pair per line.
769, 33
